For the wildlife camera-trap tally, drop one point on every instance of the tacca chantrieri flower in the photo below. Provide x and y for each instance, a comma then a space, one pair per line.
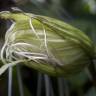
45, 44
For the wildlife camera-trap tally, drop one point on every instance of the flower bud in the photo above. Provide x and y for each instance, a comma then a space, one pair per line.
48, 45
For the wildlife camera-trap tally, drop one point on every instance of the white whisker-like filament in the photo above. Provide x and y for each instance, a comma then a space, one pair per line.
32, 56
4, 12
2, 53
15, 45
45, 39
33, 30
22, 43
7, 65
9, 30
31, 53
6, 43
8, 52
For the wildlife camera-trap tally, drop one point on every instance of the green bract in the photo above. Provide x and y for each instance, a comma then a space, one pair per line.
46, 44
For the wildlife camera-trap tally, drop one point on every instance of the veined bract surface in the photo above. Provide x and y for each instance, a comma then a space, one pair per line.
46, 44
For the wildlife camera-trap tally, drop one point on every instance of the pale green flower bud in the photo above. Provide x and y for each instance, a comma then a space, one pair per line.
46, 44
